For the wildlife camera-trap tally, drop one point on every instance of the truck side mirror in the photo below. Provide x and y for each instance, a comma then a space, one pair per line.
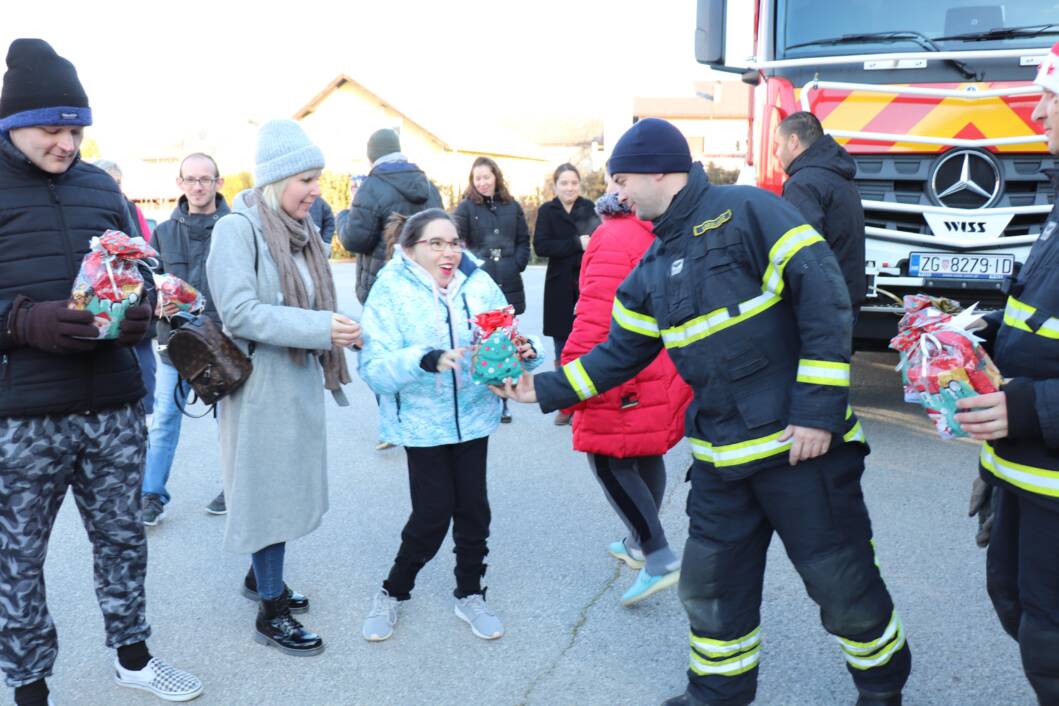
709, 32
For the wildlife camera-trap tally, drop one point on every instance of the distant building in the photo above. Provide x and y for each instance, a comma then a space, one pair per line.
342, 116
715, 120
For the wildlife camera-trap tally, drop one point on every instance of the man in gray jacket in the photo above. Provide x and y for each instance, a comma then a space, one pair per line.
182, 242
394, 185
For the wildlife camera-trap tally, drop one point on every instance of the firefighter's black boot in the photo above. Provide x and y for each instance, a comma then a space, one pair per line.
869, 700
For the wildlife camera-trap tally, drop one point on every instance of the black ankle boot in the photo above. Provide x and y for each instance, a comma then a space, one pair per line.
298, 603
277, 628
873, 700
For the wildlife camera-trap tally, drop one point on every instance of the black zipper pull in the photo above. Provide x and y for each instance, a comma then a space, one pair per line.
52, 192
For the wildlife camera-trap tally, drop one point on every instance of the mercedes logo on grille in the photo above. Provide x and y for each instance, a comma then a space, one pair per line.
965, 179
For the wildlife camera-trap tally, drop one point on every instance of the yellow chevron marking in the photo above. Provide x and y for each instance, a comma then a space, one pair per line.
857, 110
992, 116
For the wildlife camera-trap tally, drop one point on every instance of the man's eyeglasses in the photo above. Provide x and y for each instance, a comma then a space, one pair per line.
201, 181
439, 244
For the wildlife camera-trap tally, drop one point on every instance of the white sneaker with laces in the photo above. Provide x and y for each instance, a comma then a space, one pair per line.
378, 626
474, 611
161, 679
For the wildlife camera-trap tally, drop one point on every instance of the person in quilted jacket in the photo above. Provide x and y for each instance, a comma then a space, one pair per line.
625, 432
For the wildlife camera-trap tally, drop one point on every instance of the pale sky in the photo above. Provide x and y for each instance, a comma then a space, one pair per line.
156, 71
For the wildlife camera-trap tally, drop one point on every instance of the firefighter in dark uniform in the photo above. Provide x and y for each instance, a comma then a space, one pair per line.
1020, 427
752, 307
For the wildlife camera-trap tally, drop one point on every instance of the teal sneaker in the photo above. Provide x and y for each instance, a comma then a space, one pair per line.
645, 585
633, 558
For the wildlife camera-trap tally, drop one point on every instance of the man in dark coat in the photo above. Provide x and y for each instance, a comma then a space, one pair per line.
183, 243
324, 218
394, 185
70, 413
820, 185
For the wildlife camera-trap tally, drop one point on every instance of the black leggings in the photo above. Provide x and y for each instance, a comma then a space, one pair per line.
447, 483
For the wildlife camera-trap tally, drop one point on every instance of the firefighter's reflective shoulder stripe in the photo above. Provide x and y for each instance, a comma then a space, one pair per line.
1042, 481
781, 253
634, 321
744, 452
579, 379
727, 658
823, 372
1017, 315
717, 320
875, 653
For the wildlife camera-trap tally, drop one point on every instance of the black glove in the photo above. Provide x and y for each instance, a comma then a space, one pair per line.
429, 361
983, 505
52, 327
135, 324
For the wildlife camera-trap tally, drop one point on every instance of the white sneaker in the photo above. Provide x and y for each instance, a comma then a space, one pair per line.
476, 612
161, 679
378, 626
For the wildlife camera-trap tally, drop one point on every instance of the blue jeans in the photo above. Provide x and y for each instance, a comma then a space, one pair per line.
164, 433
268, 570
144, 351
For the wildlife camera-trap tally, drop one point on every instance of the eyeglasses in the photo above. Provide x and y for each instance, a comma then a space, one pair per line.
439, 244
201, 181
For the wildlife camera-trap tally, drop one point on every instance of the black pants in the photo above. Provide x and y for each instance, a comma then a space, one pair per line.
447, 484
818, 511
1022, 575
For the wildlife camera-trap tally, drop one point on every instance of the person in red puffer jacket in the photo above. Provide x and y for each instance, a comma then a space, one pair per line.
626, 431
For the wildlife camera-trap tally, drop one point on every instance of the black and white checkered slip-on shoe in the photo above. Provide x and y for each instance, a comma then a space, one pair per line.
161, 679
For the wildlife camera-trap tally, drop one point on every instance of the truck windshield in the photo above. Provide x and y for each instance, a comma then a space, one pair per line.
828, 27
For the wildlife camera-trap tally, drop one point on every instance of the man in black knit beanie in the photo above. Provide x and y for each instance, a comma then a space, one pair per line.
70, 412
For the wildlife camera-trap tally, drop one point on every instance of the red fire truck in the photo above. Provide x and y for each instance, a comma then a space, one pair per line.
933, 100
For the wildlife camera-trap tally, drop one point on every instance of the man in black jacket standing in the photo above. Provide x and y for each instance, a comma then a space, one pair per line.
820, 185
394, 185
183, 243
69, 404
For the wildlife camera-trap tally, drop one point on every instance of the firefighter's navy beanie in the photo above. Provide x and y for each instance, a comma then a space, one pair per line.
651, 146
41, 88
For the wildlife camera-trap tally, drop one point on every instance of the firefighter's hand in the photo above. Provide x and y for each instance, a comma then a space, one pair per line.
806, 442
990, 418
521, 392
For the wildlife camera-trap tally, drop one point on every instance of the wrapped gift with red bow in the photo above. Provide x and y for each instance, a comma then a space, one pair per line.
109, 281
496, 357
941, 359
173, 290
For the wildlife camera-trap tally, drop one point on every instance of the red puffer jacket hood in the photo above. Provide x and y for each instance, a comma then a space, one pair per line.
645, 415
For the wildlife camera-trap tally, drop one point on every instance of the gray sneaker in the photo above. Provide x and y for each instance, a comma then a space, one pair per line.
474, 611
378, 626
217, 506
153, 509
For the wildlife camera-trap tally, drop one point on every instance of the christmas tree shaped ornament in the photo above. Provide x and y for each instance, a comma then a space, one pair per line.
497, 355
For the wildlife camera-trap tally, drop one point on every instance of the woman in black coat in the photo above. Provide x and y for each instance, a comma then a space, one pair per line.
561, 234
494, 228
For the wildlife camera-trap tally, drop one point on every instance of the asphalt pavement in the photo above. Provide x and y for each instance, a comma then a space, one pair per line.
568, 642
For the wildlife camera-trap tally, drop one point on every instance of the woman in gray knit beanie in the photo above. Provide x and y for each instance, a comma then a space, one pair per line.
269, 277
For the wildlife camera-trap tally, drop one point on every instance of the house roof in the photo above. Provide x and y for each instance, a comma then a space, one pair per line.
731, 101
337, 82
482, 140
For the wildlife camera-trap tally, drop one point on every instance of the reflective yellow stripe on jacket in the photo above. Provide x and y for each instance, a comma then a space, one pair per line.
717, 320
1017, 315
781, 253
823, 372
634, 321
579, 379
1042, 481
744, 452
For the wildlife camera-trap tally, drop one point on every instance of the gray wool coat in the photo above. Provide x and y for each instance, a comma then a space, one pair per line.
273, 443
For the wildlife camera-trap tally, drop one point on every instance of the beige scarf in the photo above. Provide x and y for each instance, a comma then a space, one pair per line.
286, 237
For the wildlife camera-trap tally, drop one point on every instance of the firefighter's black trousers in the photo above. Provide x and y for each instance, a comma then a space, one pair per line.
818, 510
1022, 574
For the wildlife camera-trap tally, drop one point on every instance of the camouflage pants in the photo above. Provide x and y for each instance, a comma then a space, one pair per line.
101, 457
